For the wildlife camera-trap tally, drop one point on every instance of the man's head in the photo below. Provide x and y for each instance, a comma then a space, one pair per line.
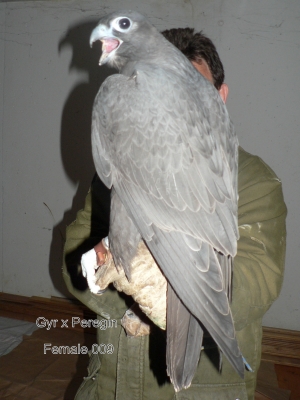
202, 53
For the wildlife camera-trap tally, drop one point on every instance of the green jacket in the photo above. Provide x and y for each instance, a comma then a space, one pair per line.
136, 368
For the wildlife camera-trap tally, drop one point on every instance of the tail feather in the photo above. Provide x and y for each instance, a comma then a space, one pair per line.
184, 341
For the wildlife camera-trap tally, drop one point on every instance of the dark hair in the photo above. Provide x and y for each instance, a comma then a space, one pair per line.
197, 47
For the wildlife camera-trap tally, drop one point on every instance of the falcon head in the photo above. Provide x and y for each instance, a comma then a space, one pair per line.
126, 36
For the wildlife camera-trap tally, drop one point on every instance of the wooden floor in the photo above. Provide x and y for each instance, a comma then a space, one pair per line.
27, 373
289, 378
269, 384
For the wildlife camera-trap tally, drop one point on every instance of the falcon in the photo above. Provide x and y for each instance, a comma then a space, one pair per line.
163, 141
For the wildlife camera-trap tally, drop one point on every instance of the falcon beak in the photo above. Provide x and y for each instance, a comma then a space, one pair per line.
110, 43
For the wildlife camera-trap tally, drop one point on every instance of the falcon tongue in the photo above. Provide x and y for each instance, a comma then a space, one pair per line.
108, 45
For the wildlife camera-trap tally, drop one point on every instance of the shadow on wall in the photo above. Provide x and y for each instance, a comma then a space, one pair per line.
76, 133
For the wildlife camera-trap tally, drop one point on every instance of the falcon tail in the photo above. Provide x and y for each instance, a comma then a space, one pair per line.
184, 341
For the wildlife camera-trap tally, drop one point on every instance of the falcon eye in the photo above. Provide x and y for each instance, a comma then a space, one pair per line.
122, 24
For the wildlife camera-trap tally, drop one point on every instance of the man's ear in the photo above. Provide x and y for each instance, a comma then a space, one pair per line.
224, 92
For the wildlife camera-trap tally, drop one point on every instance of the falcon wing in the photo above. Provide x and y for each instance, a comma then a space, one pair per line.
172, 160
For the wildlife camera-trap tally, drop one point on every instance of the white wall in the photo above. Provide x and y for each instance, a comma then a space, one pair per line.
48, 78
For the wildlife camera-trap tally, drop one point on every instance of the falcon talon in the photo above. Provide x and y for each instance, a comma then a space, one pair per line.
134, 76
105, 242
101, 291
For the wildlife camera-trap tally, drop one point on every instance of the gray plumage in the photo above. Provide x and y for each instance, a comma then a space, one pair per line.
163, 140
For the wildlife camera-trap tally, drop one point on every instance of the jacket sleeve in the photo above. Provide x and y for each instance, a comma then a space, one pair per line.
90, 226
259, 263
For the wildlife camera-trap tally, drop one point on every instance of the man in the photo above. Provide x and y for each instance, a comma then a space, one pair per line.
136, 368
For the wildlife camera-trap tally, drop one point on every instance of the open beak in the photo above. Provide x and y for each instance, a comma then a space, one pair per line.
110, 43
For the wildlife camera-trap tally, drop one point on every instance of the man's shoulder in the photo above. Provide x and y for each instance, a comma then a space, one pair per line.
257, 181
253, 170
